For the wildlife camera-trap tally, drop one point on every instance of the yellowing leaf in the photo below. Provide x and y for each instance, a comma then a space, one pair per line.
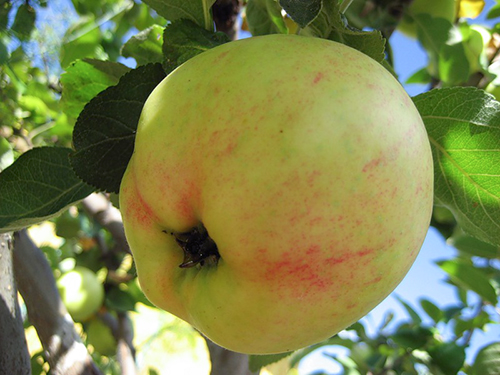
469, 8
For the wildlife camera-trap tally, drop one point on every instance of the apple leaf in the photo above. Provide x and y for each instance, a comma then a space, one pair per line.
448, 357
184, 39
264, 17
197, 11
330, 24
104, 133
470, 278
413, 314
432, 310
487, 360
302, 11
37, 186
256, 362
24, 22
474, 247
146, 46
463, 124
84, 79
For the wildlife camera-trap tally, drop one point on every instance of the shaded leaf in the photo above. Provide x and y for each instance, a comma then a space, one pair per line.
198, 11
84, 79
413, 314
412, 337
448, 357
104, 133
183, 40
474, 247
145, 47
37, 186
264, 17
256, 362
24, 23
302, 11
463, 124
469, 277
487, 360
431, 309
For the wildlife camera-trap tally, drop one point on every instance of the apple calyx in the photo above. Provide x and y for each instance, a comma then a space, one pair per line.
199, 248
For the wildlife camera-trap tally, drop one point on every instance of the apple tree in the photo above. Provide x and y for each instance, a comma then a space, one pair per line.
72, 97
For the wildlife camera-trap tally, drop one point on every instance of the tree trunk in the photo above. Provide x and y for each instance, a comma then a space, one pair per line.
227, 362
66, 353
14, 356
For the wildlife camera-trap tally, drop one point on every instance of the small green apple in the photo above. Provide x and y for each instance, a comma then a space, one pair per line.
436, 8
281, 187
99, 335
81, 292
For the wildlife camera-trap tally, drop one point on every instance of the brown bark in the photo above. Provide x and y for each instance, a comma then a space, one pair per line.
14, 356
66, 353
225, 14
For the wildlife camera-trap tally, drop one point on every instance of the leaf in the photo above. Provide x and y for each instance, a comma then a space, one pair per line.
104, 133
487, 360
264, 17
302, 11
463, 124
413, 314
24, 23
470, 8
84, 79
120, 300
37, 186
448, 357
474, 247
494, 12
6, 154
413, 338
421, 76
5, 8
431, 309
183, 40
146, 46
198, 11
330, 25
469, 277
256, 362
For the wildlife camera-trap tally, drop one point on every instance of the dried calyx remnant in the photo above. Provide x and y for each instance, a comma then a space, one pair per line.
199, 248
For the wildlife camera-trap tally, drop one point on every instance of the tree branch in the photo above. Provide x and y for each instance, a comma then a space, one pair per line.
66, 353
225, 14
227, 362
14, 355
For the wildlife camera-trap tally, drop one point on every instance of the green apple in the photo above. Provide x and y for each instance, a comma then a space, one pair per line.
81, 292
99, 335
280, 188
436, 8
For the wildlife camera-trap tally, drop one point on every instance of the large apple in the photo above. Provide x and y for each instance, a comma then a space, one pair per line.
280, 188
436, 8
82, 292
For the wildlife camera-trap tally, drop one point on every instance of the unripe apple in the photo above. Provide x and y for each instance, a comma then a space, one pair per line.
81, 292
100, 336
281, 187
436, 8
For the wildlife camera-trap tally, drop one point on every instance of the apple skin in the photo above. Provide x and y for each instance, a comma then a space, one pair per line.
99, 335
81, 292
310, 168
436, 8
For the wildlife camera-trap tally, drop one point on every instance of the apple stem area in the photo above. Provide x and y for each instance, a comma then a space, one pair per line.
199, 249
345, 5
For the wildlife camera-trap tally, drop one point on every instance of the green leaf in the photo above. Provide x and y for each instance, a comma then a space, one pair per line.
413, 314
5, 8
82, 40
256, 362
330, 25
431, 309
4, 52
474, 247
469, 277
448, 357
24, 23
120, 300
421, 76
39, 185
413, 338
198, 11
145, 47
453, 64
487, 360
463, 124
84, 79
302, 12
264, 17
6, 154
183, 40
494, 12
104, 133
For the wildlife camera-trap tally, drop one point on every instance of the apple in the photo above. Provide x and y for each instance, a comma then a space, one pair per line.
436, 8
281, 186
99, 335
81, 292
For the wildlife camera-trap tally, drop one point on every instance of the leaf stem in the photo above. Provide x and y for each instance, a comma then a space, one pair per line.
206, 14
345, 4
